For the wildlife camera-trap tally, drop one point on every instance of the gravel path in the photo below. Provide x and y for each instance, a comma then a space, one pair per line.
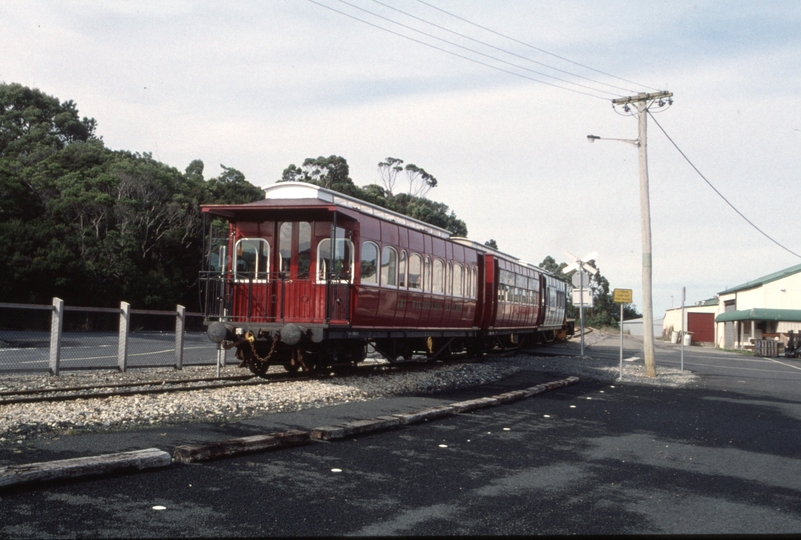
24, 421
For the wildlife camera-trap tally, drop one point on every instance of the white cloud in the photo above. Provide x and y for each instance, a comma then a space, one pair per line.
260, 85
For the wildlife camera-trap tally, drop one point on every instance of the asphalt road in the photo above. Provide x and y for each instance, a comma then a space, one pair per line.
593, 458
30, 351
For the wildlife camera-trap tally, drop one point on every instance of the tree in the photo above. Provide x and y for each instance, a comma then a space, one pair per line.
428, 211
420, 182
375, 194
331, 173
604, 311
388, 171
549, 264
91, 225
230, 187
33, 123
492, 244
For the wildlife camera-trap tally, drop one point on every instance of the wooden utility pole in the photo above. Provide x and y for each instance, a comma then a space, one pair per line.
642, 102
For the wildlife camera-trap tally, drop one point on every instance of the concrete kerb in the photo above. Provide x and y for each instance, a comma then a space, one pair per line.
155, 458
148, 458
192, 453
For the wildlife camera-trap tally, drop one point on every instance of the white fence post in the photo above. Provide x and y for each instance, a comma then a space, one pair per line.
56, 326
122, 351
180, 322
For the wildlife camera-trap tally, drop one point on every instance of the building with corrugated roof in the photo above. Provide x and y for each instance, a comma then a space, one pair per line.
765, 308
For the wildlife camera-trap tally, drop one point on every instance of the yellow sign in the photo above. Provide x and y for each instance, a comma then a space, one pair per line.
622, 296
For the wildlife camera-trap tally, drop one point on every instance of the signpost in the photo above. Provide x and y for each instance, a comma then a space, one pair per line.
621, 296
583, 282
683, 328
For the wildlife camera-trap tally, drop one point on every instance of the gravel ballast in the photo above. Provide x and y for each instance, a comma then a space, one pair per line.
19, 422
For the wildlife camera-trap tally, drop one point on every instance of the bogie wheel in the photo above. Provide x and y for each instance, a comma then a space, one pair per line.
291, 368
258, 368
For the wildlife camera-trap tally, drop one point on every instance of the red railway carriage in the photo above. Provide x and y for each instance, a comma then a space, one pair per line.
309, 277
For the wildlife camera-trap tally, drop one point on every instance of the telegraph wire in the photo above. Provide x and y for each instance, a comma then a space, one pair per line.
766, 235
472, 50
627, 90
532, 46
457, 54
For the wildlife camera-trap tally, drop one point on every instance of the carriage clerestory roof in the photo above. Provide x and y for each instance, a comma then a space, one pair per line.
302, 195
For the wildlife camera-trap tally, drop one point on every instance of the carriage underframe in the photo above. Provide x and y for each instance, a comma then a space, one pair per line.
298, 348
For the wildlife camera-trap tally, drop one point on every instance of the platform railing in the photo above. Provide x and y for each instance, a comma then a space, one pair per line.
40, 337
272, 297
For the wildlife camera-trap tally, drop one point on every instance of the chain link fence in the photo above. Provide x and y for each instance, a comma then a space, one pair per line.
49, 338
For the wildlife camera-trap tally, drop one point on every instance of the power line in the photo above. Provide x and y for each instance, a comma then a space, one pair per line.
532, 46
766, 235
457, 54
500, 49
471, 50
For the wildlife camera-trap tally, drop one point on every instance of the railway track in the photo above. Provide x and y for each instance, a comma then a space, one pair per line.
166, 386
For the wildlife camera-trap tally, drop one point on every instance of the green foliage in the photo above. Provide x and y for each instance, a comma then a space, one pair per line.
33, 124
332, 173
388, 170
491, 243
94, 226
604, 313
420, 182
231, 187
549, 264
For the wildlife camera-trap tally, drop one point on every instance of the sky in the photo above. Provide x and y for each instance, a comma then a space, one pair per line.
497, 109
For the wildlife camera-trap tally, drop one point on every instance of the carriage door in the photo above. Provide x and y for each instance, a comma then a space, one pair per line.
250, 276
335, 275
294, 292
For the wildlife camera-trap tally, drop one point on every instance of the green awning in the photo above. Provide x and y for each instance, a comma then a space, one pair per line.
761, 314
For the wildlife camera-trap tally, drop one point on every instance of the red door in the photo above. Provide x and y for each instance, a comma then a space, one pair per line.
702, 325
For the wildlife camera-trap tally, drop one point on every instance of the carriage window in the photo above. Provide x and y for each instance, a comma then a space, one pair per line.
369, 263
503, 292
304, 250
285, 248
389, 267
251, 258
290, 254
449, 278
438, 282
474, 281
415, 271
402, 270
427, 275
343, 260
458, 279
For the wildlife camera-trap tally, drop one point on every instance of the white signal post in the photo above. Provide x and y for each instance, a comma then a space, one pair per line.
578, 264
642, 102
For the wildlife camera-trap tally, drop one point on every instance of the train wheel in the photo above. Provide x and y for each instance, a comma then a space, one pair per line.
258, 368
292, 368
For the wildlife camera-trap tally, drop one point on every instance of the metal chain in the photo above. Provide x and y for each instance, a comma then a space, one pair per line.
269, 354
